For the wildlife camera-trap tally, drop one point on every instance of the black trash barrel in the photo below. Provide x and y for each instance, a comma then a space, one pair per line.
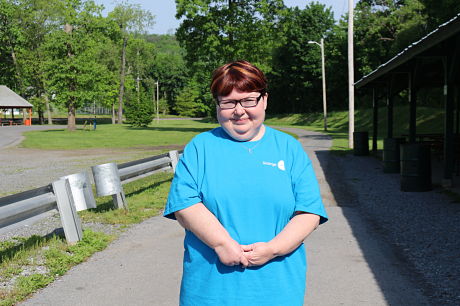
360, 143
415, 167
391, 154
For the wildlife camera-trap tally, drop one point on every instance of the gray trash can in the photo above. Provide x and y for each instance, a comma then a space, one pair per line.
391, 154
360, 143
415, 167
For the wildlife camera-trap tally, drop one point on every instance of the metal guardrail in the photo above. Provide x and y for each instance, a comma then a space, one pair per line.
18, 207
58, 195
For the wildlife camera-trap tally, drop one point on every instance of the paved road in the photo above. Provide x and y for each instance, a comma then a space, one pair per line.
143, 266
12, 135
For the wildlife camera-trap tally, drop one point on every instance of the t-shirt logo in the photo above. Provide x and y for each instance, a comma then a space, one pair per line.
281, 165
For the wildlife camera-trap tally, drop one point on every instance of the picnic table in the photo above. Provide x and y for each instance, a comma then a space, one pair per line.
11, 122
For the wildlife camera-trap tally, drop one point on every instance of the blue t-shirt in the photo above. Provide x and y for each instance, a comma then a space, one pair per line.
254, 189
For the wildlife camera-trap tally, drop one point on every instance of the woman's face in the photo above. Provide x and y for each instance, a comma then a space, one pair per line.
243, 124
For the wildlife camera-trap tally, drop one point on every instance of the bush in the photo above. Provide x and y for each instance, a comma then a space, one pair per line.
139, 113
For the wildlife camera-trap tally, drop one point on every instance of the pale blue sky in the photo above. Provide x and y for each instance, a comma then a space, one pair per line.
165, 11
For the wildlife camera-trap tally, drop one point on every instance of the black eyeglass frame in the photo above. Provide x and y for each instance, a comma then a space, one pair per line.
240, 100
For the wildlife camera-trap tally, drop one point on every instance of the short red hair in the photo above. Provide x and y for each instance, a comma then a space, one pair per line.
240, 75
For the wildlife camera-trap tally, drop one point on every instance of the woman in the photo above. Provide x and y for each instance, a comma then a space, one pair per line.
247, 197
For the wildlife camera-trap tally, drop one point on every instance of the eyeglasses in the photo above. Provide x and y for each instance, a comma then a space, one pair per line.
246, 102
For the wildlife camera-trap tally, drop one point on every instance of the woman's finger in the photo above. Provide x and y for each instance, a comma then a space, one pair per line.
247, 248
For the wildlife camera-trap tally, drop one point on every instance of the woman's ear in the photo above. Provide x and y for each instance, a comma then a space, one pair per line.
265, 101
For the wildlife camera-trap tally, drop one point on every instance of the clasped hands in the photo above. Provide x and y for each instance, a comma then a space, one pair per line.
231, 253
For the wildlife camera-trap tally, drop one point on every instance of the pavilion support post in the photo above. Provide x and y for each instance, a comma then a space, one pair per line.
30, 115
448, 122
457, 112
412, 107
389, 112
375, 126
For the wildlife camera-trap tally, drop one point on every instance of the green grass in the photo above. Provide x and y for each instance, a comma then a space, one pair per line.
145, 197
165, 133
429, 120
35, 262
178, 132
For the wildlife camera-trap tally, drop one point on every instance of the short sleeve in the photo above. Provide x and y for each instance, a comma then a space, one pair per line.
184, 188
305, 185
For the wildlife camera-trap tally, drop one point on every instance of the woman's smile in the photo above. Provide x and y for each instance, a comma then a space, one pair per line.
240, 121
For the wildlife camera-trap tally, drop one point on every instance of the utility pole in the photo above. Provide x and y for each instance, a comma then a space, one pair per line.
351, 77
158, 102
323, 73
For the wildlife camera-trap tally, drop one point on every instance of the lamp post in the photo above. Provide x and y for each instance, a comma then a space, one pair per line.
323, 71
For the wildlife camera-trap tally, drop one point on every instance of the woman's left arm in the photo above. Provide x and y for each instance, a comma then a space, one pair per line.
295, 232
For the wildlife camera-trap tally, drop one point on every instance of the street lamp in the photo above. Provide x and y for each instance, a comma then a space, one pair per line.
321, 45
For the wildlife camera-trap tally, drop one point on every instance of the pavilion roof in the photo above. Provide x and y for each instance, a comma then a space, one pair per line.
10, 99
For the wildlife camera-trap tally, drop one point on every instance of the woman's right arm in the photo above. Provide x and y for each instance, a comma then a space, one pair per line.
200, 221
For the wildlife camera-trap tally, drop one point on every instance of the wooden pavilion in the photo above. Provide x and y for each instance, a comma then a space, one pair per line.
9, 100
433, 61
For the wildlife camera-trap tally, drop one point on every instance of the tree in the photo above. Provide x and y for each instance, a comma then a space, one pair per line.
11, 40
73, 72
131, 19
139, 103
169, 67
190, 102
38, 19
440, 11
383, 28
139, 109
296, 75
215, 32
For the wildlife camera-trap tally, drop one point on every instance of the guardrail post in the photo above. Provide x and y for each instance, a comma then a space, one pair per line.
174, 156
107, 180
69, 217
81, 190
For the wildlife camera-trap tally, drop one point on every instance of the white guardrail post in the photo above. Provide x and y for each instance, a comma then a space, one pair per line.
107, 180
174, 156
66, 206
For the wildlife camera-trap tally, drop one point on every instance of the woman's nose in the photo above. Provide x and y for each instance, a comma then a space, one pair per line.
239, 110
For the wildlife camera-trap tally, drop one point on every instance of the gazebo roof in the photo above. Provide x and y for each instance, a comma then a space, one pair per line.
10, 99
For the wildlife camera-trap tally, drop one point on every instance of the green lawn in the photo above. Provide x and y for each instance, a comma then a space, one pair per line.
179, 132
429, 120
166, 133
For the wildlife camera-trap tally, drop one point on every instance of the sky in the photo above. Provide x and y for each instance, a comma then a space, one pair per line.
165, 11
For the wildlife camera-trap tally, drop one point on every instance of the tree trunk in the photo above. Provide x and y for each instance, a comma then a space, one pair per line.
41, 118
113, 113
71, 126
48, 110
68, 28
122, 81
17, 71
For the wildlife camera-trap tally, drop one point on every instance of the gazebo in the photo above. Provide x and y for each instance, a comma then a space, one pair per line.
10, 100
433, 61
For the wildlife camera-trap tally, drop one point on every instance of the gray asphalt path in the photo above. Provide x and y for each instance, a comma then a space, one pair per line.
143, 267
12, 135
